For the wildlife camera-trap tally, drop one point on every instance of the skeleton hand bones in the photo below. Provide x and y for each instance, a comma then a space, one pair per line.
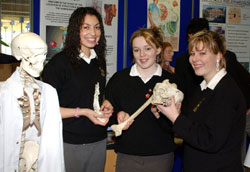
162, 94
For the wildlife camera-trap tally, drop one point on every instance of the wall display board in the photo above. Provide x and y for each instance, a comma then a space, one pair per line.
54, 16
166, 15
110, 19
230, 18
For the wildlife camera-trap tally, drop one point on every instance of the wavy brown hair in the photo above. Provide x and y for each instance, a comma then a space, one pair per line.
72, 43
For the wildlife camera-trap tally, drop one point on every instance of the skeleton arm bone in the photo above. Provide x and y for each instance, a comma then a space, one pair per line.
118, 128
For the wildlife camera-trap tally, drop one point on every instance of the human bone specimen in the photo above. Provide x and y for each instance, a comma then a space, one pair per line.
162, 94
96, 104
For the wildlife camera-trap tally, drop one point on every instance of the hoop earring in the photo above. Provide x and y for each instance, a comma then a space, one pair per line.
217, 65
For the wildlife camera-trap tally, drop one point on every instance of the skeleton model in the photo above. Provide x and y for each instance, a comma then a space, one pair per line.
162, 94
96, 104
31, 50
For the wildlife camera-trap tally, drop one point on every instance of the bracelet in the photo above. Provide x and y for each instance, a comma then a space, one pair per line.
76, 113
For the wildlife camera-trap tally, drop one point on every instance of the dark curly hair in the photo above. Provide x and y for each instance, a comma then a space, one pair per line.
72, 43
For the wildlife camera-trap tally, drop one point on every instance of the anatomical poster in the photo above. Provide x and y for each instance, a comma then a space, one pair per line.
54, 16
166, 15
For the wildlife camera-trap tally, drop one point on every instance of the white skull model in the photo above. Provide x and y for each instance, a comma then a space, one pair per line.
31, 49
164, 91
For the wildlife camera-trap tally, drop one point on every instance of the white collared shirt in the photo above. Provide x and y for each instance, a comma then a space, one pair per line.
214, 81
134, 72
50, 157
86, 58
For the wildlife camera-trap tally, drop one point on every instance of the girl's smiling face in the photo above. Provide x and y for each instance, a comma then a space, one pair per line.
90, 33
144, 54
203, 61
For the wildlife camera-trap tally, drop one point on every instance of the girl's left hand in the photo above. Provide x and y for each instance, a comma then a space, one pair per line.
172, 111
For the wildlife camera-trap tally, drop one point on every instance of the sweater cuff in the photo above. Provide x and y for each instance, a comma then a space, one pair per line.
180, 124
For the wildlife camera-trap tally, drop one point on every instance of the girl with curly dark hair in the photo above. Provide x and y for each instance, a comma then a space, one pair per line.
73, 40
76, 73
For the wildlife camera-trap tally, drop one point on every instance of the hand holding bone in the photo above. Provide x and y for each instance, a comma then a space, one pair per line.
105, 110
95, 117
162, 94
123, 116
118, 128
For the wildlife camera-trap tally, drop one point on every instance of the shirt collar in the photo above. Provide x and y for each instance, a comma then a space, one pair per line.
134, 72
86, 58
214, 81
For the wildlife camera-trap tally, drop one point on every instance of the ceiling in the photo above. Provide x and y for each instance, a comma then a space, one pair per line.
13, 10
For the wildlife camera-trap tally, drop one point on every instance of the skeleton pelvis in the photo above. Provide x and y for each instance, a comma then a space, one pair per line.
29, 156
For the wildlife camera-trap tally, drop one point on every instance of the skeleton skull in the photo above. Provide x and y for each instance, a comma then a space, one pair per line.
163, 91
31, 50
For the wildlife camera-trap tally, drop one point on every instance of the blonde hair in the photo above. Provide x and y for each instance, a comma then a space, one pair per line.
211, 40
153, 36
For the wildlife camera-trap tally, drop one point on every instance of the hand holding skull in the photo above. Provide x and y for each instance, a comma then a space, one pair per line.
171, 111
